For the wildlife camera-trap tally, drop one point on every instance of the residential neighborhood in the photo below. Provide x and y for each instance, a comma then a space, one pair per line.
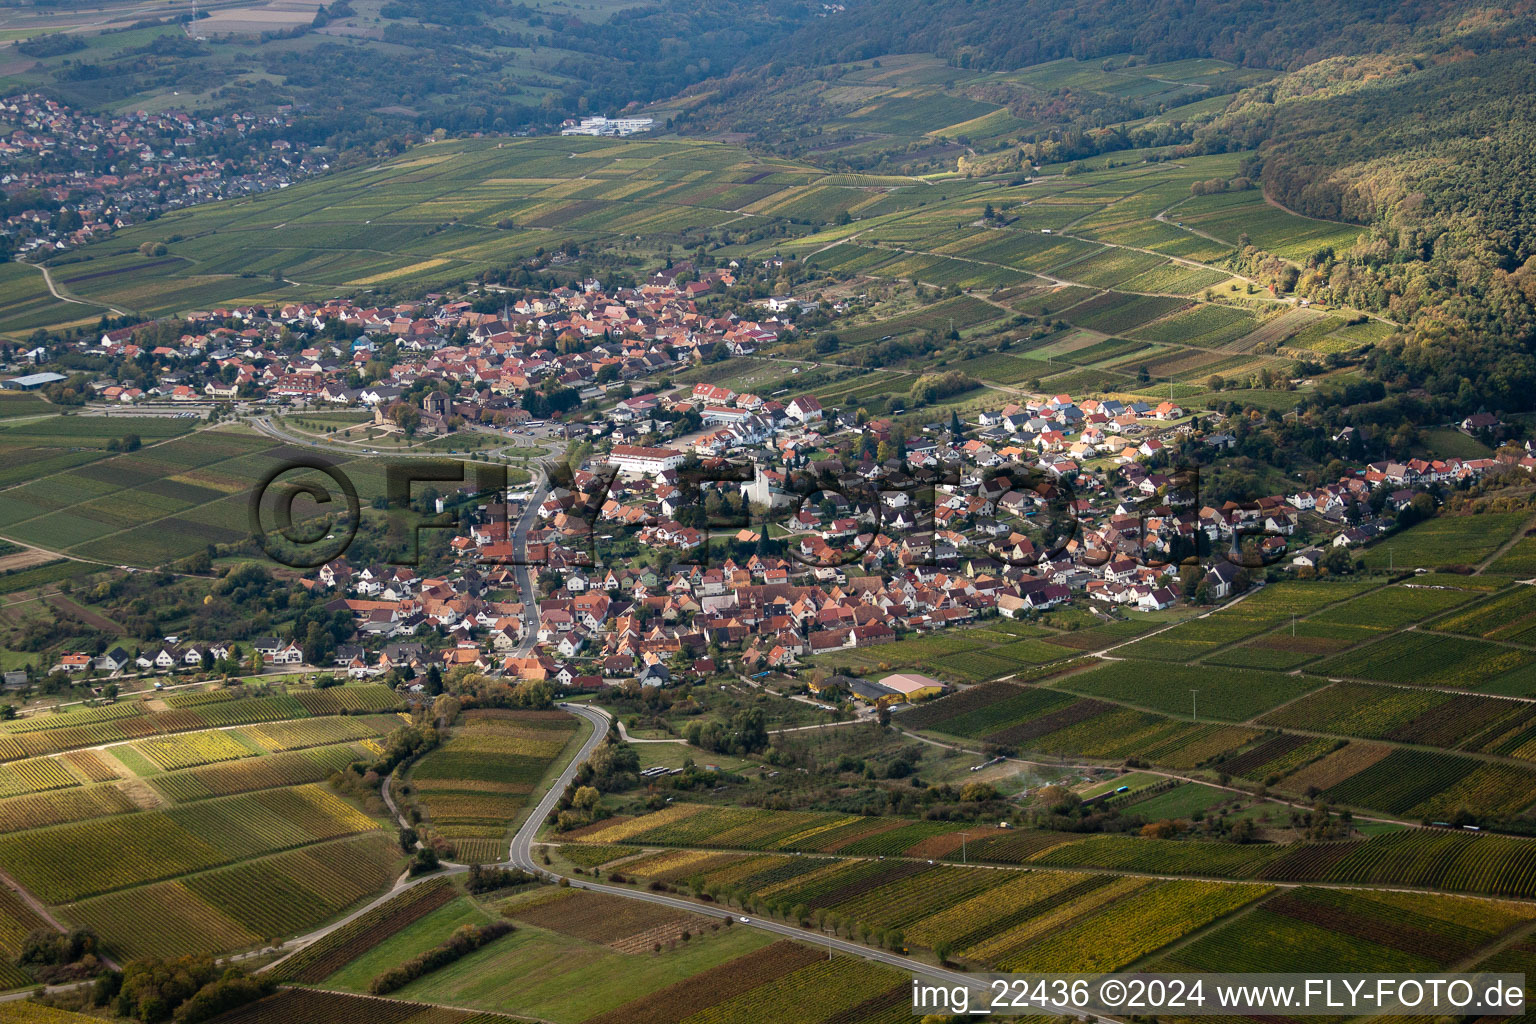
707, 529
70, 176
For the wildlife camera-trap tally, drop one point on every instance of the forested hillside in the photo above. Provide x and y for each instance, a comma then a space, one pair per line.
1435, 154
374, 72
1003, 34
1412, 119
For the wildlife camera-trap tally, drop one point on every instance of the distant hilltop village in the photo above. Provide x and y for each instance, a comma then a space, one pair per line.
607, 126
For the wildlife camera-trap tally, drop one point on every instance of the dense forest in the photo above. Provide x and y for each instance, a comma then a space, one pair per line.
1436, 155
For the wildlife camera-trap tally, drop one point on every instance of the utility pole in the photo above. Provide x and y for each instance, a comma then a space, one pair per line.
962, 847
1194, 713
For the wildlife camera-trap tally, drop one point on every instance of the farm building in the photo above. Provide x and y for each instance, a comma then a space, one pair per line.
32, 381
912, 686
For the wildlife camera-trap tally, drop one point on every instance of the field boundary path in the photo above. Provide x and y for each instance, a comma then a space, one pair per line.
522, 857
64, 296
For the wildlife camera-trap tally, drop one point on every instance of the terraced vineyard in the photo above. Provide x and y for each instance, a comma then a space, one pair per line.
473, 787
1048, 721
323, 957
1077, 920
200, 827
243, 905
1354, 931
1451, 860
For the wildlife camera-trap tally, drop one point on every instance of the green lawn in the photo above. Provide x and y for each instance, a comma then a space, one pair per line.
429, 931
672, 755
1179, 802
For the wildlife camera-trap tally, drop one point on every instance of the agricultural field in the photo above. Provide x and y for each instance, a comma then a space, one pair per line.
1438, 659
203, 822
1235, 696
1102, 635
1142, 920
243, 905
165, 501
323, 957
172, 837
621, 924
125, 721
1446, 859
69, 862
567, 967
1260, 612
749, 829
1351, 931
1115, 313
963, 312
1230, 215
17, 920
967, 656
1000, 919
471, 788
26, 304
1430, 785
1356, 621
1510, 615
1520, 559
1446, 540
1181, 800
1118, 709
1056, 920
447, 210
1206, 326
1276, 756
1046, 720
306, 1006
1417, 716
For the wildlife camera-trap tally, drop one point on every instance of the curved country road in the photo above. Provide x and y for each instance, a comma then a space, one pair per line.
522, 857
54, 290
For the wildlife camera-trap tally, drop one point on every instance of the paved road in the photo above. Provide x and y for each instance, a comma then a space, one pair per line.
521, 852
525, 575
522, 857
